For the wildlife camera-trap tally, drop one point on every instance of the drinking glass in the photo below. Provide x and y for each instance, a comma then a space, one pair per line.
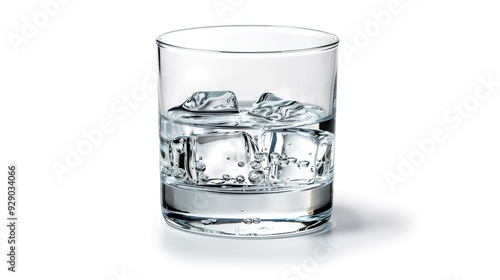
246, 124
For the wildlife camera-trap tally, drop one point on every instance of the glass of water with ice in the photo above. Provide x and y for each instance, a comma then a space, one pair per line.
246, 123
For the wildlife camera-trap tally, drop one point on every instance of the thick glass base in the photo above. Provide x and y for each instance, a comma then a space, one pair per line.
247, 214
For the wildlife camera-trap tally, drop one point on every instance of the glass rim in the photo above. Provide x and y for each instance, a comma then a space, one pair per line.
334, 40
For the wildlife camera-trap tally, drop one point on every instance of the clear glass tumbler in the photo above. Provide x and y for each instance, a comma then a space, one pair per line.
247, 120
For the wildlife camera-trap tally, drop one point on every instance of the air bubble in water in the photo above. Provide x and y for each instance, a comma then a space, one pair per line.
241, 164
200, 166
240, 179
226, 177
248, 221
179, 173
255, 164
256, 220
255, 176
203, 177
179, 145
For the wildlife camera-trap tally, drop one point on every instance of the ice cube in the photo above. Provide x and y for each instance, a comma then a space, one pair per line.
291, 151
273, 108
210, 159
174, 153
212, 102
324, 158
226, 157
164, 152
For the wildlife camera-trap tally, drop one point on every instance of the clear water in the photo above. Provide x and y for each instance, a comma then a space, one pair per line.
260, 168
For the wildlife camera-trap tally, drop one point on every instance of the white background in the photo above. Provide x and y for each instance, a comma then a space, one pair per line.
101, 219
